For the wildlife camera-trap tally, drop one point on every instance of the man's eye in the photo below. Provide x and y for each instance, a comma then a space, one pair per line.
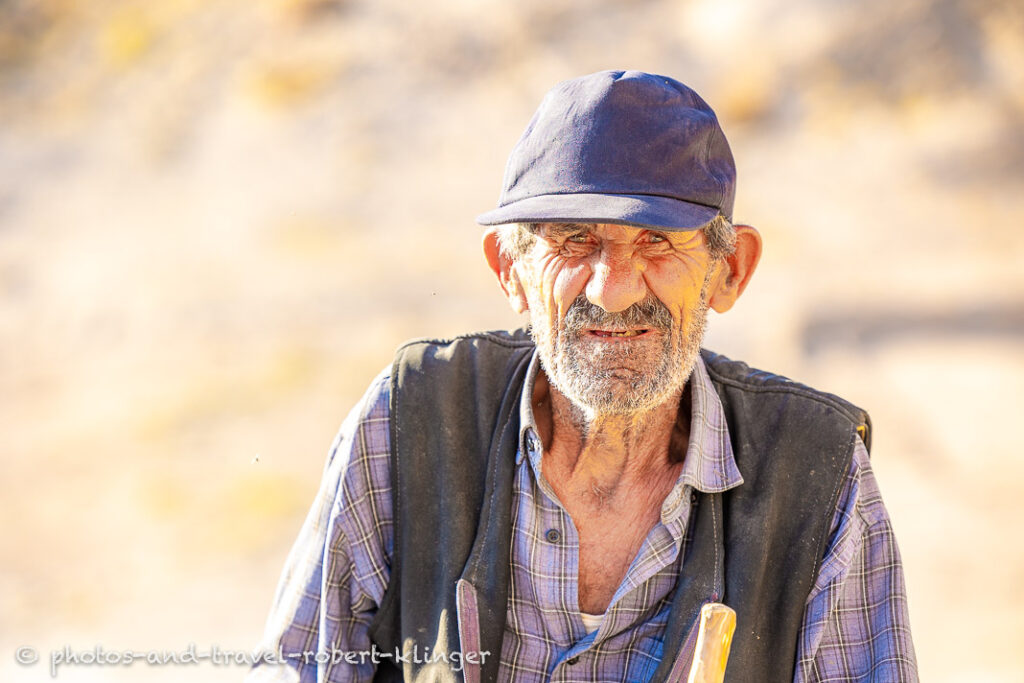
578, 238
656, 237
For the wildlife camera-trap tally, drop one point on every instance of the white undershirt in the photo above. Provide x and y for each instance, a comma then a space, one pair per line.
592, 621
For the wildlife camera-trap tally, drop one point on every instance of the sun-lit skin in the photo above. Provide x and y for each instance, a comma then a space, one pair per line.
616, 266
612, 472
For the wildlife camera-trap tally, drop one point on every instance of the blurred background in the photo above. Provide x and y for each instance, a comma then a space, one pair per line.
218, 219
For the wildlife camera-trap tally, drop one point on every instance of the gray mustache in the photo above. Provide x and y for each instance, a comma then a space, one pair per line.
650, 313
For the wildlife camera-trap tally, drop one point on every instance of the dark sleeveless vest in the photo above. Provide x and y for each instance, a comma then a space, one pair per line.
454, 436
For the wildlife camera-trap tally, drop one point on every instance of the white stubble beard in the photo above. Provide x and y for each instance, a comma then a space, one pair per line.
574, 366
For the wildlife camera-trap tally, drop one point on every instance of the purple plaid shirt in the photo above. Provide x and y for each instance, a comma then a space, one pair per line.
855, 622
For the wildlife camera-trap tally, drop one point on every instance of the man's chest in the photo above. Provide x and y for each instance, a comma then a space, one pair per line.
607, 544
554, 565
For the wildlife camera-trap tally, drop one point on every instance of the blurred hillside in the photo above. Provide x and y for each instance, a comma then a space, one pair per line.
218, 219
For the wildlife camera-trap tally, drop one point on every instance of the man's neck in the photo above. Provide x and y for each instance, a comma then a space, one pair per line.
603, 452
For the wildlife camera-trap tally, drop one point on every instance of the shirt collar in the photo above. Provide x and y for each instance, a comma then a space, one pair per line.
529, 439
709, 466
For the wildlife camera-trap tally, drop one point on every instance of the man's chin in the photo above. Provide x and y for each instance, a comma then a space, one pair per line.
622, 377
621, 391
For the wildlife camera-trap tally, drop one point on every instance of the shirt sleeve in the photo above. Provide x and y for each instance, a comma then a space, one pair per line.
856, 626
338, 569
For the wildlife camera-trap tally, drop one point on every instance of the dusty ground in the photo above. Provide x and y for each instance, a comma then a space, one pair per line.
217, 220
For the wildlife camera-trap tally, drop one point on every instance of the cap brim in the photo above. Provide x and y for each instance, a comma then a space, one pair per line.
642, 211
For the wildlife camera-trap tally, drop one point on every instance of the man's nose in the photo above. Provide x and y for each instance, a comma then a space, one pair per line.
616, 282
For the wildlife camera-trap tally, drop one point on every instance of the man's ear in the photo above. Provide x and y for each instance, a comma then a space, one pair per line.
736, 269
505, 270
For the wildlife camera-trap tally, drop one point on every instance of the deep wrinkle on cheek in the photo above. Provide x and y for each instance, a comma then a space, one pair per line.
686, 269
559, 280
572, 280
677, 279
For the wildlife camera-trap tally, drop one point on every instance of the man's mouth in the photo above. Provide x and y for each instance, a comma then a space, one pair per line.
618, 333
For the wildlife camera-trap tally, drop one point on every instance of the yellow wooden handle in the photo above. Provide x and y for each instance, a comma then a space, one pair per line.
714, 637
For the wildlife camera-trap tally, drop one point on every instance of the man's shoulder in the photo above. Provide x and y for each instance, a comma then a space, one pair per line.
734, 377
511, 339
430, 373
493, 355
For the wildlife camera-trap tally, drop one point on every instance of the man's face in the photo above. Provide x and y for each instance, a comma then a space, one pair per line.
618, 313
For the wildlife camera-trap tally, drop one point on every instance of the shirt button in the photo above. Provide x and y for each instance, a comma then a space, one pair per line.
572, 660
553, 535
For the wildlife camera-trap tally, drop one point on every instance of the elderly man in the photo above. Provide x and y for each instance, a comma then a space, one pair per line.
559, 504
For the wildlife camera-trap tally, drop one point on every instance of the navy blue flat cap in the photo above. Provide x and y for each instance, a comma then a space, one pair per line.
622, 147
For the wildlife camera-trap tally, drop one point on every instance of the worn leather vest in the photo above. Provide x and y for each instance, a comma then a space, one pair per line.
454, 436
